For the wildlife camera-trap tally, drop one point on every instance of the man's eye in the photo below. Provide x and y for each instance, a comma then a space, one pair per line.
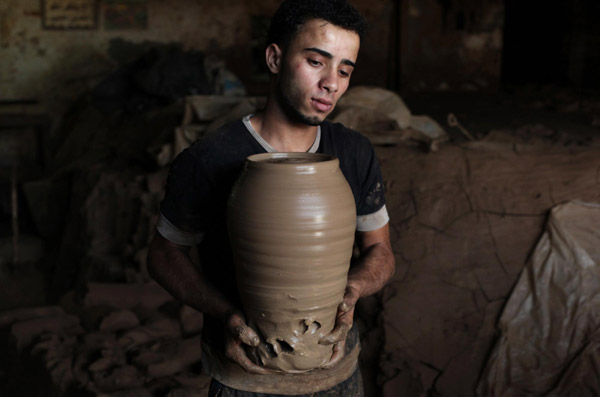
313, 62
343, 73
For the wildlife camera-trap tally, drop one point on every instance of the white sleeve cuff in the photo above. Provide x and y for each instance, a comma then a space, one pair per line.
175, 235
366, 223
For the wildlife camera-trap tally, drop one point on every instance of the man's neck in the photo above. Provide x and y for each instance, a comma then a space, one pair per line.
284, 136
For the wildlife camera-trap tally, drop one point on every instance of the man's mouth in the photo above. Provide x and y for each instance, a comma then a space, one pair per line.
322, 105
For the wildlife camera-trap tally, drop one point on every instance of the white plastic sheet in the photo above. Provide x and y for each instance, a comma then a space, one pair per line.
550, 327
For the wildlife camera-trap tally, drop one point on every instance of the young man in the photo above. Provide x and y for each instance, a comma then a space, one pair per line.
311, 53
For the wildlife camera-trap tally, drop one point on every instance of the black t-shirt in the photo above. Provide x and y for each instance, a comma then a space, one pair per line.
201, 178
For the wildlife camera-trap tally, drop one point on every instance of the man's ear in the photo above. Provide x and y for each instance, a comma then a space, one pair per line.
273, 55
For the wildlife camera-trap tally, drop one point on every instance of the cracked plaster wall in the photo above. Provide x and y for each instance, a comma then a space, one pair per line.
464, 221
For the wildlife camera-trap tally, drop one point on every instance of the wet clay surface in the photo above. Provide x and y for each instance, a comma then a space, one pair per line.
291, 220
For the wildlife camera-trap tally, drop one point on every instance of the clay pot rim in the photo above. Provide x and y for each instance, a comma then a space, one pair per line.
319, 160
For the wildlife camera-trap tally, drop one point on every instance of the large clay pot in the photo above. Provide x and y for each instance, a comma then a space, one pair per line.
291, 219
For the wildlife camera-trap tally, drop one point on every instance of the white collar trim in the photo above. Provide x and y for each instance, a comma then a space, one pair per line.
267, 146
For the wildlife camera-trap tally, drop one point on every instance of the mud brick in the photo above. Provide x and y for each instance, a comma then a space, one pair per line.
126, 296
189, 352
119, 320
24, 332
7, 318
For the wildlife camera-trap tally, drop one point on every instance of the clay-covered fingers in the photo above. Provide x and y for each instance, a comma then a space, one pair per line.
246, 335
338, 334
350, 298
238, 329
336, 355
235, 352
240, 334
343, 324
343, 321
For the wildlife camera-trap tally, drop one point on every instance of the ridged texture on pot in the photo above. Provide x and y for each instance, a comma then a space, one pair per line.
291, 220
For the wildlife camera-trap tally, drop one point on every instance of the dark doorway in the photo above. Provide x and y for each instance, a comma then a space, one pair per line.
552, 41
536, 41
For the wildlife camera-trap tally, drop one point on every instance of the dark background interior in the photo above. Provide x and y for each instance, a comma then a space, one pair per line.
87, 113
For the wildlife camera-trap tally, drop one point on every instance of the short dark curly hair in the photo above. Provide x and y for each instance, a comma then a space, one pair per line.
292, 14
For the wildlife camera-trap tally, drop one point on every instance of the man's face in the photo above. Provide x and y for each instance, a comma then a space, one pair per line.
315, 71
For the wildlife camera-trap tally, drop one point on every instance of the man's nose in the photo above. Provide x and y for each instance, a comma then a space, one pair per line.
329, 81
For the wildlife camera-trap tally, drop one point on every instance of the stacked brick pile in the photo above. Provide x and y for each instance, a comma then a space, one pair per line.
122, 340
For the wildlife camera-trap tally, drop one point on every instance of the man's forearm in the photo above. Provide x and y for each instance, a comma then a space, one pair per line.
171, 267
372, 272
375, 266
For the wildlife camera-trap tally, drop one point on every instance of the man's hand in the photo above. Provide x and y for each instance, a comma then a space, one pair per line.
343, 324
239, 333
